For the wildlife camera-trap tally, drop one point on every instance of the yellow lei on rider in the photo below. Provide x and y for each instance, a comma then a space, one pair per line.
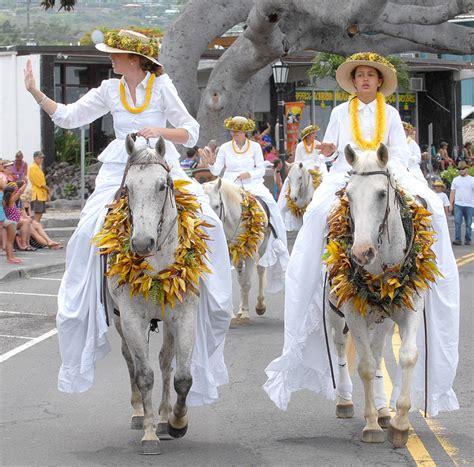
254, 222
146, 102
380, 121
397, 284
172, 283
292, 207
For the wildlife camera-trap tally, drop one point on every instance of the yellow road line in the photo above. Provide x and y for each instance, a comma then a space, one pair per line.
469, 256
466, 261
415, 446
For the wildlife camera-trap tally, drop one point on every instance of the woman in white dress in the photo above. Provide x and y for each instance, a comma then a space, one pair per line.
304, 361
142, 102
308, 154
242, 162
414, 150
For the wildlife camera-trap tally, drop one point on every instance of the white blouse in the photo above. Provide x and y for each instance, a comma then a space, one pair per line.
165, 106
339, 132
234, 163
310, 160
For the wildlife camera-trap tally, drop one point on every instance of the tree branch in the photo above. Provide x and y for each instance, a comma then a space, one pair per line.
415, 14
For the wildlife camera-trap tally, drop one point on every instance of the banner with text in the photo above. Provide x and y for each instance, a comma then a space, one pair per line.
293, 114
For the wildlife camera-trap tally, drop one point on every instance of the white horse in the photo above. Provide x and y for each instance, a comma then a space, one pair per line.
226, 200
154, 234
379, 239
299, 187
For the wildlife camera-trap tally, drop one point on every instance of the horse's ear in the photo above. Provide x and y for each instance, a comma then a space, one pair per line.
219, 183
350, 154
382, 154
160, 147
129, 145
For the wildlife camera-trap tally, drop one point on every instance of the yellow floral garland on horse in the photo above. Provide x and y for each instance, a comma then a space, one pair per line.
254, 223
292, 207
173, 282
397, 284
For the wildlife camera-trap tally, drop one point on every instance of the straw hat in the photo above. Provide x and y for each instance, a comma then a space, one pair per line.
462, 165
130, 42
408, 126
239, 124
6, 162
308, 130
438, 183
389, 74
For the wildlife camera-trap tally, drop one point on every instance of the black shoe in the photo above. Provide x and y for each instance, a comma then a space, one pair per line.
467, 242
457, 242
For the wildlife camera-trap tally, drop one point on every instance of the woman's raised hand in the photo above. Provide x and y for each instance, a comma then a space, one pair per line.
30, 83
206, 156
327, 149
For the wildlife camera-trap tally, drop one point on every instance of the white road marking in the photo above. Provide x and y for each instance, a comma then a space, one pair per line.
23, 313
44, 279
29, 293
27, 345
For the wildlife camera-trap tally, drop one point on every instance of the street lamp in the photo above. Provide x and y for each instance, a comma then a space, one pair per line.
280, 77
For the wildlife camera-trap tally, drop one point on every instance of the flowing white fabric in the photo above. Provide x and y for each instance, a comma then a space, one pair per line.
82, 329
276, 256
414, 160
304, 361
311, 161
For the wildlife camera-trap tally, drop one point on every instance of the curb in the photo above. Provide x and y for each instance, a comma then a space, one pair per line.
28, 272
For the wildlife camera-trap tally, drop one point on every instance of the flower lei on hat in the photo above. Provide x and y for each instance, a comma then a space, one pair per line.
380, 123
292, 207
132, 44
307, 130
231, 124
172, 283
254, 224
371, 57
397, 284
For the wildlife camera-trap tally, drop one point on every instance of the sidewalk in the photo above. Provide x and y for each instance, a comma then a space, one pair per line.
44, 260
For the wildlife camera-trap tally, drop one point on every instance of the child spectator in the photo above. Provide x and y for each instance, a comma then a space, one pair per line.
189, 162
438, 187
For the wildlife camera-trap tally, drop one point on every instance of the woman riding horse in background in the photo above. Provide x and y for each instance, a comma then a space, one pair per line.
142, 102
364, 122
308, 155
242, 162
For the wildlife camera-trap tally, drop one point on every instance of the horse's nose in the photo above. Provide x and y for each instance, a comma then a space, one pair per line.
363, 254
143, 246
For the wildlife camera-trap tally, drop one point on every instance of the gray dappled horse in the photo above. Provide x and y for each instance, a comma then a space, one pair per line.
376, 218
154, 234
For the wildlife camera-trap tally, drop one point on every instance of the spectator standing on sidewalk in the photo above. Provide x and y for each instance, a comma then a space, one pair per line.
19, 168
39, 190
462, 201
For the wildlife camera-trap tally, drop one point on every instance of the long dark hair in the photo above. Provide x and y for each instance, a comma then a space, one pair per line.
7, 194
148, 65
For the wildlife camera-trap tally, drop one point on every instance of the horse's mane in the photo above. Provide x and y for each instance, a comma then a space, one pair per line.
145, 156
231, 192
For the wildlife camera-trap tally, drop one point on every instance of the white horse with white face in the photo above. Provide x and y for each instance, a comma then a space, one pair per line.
154, 234
379, 240
296, 194
226, 200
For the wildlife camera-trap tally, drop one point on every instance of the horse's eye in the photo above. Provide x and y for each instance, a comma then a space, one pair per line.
382, 194
162, 187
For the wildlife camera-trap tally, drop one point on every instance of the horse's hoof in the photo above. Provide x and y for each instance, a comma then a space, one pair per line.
137, 422
244, 320
260, 311
177, 432
162, 431
234, 323
344, 410
384, 417
373, 436
397, 437
151, 447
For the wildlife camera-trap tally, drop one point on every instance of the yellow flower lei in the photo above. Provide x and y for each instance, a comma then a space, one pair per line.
307, 148
397, 284
254, 225
172, 283
380, 118
292, 207
236, 149
146, 102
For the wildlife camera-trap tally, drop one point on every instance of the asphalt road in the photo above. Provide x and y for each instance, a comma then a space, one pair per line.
42, 427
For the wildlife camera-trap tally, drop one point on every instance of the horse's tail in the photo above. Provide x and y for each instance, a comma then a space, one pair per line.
350, 353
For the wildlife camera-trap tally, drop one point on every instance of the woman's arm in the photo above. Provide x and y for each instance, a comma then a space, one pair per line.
16, 195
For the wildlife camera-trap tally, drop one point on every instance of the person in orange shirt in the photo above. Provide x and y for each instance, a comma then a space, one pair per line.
39, 189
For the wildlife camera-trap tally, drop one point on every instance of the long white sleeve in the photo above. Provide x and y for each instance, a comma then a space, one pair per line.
88, 108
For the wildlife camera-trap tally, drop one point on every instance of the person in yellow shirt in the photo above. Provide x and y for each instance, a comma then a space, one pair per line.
39, 190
